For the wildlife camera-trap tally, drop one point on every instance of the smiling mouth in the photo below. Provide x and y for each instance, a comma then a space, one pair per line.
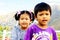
24, 23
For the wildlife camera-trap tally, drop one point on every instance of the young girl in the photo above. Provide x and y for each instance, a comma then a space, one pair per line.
24, 19
41, 30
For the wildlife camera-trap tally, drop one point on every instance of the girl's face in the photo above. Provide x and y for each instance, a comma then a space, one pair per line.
43, 17
24, 20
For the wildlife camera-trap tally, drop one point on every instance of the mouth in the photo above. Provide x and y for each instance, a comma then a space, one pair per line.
24, 23
44, 20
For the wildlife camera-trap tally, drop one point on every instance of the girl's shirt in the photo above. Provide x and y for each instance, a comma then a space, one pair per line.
36, 33
17, 33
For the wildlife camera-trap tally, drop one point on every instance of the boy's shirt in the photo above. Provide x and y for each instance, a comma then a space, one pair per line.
36, 33
17, 33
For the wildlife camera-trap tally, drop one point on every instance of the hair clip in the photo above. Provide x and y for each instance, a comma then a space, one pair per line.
18, 12
31, 14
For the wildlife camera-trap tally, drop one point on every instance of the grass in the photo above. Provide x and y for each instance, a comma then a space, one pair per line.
58, 35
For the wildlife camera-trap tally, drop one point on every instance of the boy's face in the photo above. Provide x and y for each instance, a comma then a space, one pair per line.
24, 20
43, 17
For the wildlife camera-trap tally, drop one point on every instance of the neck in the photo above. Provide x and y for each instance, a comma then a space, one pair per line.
23, 28
43, 26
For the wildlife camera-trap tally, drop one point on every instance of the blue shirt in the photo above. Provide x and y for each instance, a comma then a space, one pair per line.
17, 33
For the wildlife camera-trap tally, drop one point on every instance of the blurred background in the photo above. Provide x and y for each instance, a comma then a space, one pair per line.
8, 9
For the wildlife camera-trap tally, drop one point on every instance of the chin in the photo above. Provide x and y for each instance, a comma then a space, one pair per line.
44, 23
24, 27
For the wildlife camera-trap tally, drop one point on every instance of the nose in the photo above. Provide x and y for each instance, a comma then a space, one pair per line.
24, 20
44, 16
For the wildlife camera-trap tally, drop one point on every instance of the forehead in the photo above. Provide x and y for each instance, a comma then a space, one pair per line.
45, 11
24, 15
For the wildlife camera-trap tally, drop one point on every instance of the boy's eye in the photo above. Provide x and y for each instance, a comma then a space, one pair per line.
26, 18
40, 14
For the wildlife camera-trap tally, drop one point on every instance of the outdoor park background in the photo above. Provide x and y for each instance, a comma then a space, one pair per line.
8, 9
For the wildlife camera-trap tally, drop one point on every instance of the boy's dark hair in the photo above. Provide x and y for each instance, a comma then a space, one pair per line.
32, 16
18, 14
41, 7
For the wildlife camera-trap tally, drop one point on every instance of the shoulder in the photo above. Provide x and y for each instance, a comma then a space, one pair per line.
32, 26
52, 29
15, 28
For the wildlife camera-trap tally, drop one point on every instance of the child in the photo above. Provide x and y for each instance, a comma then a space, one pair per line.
24, 18
41, 30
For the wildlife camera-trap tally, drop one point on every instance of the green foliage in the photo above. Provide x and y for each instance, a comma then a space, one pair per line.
1, 28
58, 36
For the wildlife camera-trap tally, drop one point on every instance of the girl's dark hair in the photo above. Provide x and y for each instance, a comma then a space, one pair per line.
18, 14
41, 7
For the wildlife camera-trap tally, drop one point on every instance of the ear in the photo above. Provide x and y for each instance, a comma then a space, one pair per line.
18, 21
35, 17
30, 21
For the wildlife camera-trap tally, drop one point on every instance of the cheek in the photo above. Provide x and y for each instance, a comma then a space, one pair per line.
28, 21
49, 18
39, 18
20, 21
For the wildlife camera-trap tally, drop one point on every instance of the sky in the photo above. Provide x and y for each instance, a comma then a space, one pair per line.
8, 6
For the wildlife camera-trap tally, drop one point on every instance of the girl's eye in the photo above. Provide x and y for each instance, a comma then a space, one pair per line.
22, 18
47, 14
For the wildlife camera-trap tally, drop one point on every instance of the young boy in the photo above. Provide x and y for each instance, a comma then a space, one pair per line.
41, 30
